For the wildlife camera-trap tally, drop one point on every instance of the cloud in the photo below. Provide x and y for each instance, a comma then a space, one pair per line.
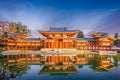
34, 18
42, 17
110, 23
88, 22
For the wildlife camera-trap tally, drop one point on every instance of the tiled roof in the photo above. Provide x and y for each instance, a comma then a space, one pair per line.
101, 33
10, 35
55, 29
88, 39
32, 38
19, 33
105, 35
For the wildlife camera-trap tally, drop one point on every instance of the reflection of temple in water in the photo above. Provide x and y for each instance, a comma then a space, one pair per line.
104, 64
60, 59
58, 64
17, 68
28, 58
49, 59
58, 70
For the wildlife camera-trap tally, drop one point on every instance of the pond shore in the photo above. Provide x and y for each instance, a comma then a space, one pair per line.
60, 52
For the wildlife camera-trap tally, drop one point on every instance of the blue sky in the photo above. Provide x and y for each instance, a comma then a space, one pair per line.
86, 15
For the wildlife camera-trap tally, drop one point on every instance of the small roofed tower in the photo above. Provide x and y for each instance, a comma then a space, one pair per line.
59, 32
98, 34
103, 39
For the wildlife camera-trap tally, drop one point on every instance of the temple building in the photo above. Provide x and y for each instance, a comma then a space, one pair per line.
19, 41
64, 38
59, 38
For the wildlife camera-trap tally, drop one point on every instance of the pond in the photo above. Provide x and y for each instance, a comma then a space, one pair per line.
83, 67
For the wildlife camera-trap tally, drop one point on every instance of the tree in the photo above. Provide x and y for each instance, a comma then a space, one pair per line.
1, 37
21, 28
12, 28
116, 37
80, 34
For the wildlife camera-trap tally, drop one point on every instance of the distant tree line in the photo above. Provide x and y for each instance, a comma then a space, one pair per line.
15, 28
19, 28
117, 41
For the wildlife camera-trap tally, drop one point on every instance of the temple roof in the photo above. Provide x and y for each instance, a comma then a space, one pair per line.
88, 39
62, 30
10, 35
13, 37
101, 33
32, 39
59, 29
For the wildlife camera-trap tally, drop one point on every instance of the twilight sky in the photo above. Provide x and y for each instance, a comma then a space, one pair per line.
86, 15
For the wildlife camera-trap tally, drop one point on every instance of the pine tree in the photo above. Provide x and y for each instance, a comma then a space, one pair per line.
80, 34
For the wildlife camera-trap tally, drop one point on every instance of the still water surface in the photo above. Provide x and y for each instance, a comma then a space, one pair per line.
97, 67
84, 73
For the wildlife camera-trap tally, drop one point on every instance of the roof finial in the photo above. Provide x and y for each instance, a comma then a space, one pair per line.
66, 26
51, 26
97, 31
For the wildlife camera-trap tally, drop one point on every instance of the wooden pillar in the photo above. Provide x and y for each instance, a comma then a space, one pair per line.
57, 57
16, 47
63, 58
52, 58
31, 45
66, 44
60, 58
61, 45
54, 46
48, 44
49, 58
22, 45
35, 45
66, 59
51, 44
57, 44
